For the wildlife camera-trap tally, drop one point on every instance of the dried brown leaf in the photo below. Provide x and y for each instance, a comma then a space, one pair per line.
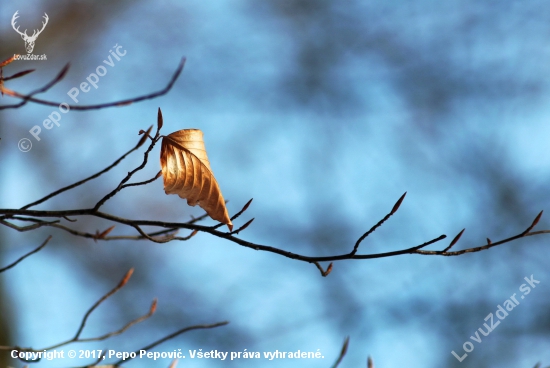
186, 172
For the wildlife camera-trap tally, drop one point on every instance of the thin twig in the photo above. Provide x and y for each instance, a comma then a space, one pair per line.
9, 60
94, 236
26, 98
30, 97
78, 183
171, 336
245, 207
175, 225
18, 75
77, 338
323, 272
26, 255
125, 327
130, 174
166, 239
141, 182
197, 219
342, 353
37, 225
242, 227
372, 229
101, 300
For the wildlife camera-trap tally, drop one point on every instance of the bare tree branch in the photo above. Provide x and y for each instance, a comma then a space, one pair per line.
126, 326
168, 227
78, 183
131, 173
18, 75
77, 337
29, 97
120, 285
165, 231
121, 330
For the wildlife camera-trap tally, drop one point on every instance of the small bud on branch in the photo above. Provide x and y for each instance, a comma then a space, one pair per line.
126, 278
454, 241
398, 203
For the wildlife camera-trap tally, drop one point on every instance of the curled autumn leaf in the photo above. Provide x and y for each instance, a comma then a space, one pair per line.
186, 172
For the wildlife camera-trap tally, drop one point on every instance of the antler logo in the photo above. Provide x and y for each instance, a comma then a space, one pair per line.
29, 40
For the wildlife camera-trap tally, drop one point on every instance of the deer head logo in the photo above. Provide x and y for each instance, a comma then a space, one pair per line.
29, 40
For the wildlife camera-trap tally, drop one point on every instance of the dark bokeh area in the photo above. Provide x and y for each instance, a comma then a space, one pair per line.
324, 113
